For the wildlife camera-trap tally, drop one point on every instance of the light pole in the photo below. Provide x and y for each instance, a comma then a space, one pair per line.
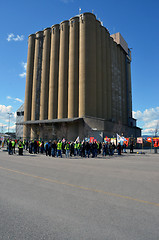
9, 114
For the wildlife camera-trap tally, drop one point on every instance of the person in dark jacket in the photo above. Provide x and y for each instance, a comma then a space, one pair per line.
49, 148
46, 148
87, 149
53, 149
10, 147
35, 147
119, 148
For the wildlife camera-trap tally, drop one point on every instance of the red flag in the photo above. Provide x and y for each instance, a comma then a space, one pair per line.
126, 142
149, 139
156, 141
91, 139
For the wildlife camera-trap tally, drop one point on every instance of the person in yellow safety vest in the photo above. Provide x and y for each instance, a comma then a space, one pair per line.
13, 146
67, 148
78, 148
75, 148
20, 147
38, 147
59, 148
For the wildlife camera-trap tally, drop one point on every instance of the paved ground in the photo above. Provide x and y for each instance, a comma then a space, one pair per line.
115, 198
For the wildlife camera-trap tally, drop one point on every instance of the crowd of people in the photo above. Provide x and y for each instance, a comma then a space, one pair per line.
69, 149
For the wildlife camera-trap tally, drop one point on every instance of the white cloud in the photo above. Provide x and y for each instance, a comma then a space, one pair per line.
149, 119
4, 110
15, 99
22, 75
5, 114
24, 65
8, 97
12, 37
19, 100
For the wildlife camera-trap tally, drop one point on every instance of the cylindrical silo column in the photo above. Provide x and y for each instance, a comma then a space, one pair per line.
45, 75
87, 65
129, 85
104, 74
99, 85
117, 76
124, 98
54, 72
29, 82
112, 84
108, 77
63, 70
36, 81
119, 84
73, 72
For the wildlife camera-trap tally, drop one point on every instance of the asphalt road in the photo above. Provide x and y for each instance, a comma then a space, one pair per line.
115, 198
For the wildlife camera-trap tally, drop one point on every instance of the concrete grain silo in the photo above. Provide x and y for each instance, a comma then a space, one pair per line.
73, 69
87, 65
63, 70
54, 72
29, 83
99, 83
104, 72
45, 74
35, 109
78, 82
109, 76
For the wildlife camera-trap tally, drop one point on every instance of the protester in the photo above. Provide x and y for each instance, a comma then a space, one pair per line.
119, 148
20, 147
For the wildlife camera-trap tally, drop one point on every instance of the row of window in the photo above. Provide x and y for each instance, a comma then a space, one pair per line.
20, 113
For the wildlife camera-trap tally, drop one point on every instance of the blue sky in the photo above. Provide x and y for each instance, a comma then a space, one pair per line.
137, 21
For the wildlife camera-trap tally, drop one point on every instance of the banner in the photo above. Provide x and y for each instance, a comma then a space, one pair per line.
87, 139
113, 140
140, 140
120, 139
156, 141
106, 139
126, 142
149, 139
91, 139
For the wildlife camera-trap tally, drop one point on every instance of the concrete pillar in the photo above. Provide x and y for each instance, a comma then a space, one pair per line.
109, 76
124, 98
35, 110
119, 84
99, 85
45, 75
54, 72
113, 85
87, 65
104, 73
116, 94
129, 88
29, 82
73, 72
63, 70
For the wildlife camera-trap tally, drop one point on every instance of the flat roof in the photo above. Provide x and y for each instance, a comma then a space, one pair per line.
50, 121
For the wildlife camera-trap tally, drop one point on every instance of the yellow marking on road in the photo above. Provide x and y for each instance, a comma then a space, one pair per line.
81, 187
